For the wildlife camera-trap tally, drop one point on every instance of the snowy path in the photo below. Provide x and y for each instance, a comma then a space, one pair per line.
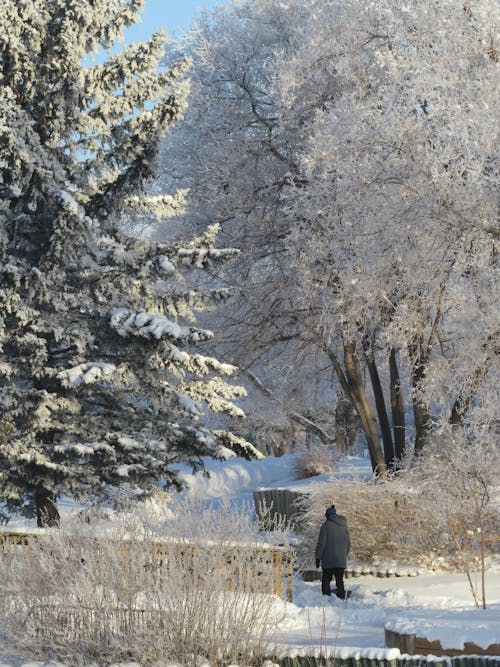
442, 603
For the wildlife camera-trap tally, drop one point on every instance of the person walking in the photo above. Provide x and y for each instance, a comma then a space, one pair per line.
331, 551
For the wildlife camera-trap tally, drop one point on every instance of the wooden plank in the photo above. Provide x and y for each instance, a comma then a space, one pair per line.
414, 645
492, 649
404, 642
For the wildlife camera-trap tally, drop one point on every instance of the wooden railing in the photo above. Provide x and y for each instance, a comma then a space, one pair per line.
273, 564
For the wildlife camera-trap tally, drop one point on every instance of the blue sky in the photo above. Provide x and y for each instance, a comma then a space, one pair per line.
174, 15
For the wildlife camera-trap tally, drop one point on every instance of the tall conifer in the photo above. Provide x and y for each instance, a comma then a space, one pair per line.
98, 387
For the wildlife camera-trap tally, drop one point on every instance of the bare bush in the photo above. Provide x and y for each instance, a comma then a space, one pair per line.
380, 518
195, 586
456, 485
315, 459
442, 513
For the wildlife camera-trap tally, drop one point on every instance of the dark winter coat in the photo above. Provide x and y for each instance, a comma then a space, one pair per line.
333, 542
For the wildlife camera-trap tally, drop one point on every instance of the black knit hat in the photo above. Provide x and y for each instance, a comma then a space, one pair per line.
331, 511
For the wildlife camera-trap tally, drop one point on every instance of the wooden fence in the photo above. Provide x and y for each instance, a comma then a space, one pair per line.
414, 645
273, 565
279, 507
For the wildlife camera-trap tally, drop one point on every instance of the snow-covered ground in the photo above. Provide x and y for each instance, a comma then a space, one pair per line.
236, 479
436, 606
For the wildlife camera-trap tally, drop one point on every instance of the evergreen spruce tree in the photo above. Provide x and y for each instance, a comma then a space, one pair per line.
98, 386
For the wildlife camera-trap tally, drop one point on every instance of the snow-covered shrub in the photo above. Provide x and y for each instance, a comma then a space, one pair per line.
443, 513
315, 459
180, 582
457, 490
379, 515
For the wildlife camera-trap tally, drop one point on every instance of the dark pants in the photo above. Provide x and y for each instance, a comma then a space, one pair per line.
338, 573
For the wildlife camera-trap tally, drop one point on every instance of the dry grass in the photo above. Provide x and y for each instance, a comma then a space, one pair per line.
395, 521
379, 519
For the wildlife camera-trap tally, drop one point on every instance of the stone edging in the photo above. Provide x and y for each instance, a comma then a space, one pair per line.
403, 661
354, 573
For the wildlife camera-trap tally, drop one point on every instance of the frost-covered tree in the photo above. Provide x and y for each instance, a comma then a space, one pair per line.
99, 388
236, 150
398, 232
354, 145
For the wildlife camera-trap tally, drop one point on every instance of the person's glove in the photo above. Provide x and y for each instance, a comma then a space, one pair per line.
317, 562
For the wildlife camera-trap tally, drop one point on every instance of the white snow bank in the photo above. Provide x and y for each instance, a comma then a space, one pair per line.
239, 478
452, 627
341, 652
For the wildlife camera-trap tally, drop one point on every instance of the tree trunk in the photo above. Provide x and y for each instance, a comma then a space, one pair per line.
350, 424
352, 384
420, 411
47, 514
422, 422
383, 419
397, 408
360, 402
345, 422
340, 426
463, 403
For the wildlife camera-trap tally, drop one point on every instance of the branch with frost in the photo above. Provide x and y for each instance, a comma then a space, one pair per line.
130, 254
216, 394
258, 383
200, 251
233, 443
161, 206
312, 427
306, 422
206, 257
199, 364
86, 373
148, 325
